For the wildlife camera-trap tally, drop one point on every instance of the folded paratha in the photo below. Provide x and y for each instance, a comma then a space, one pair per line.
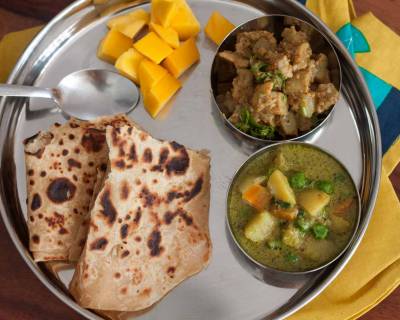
62, 168
149, 224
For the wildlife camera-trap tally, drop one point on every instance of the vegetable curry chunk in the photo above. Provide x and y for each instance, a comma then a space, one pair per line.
293, 208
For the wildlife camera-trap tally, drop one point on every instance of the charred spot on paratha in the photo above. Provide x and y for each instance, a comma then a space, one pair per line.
119, 164
178, 164
164, 153
109, 211
36, 202
132, 153
124, 231
195, 190
176, 146
188, 219
171, 272
93, 140
61, 190
35, 239
74, 163
138, 215
125, 253
147, 155
65, 152
148, 199
99, 244
31, 172
62, 230
125, 190
42, 174
56, 220
154, 242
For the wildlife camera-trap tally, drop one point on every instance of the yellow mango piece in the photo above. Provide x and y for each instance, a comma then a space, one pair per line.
113, 45
149, 74
163, 11
218, 27
157, 97
182, 58
153, 47
128, 64
139, 14
131, 29
185, 22
169, 35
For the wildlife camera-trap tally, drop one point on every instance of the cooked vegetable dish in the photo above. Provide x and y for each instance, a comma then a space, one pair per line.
293, 208
280, 88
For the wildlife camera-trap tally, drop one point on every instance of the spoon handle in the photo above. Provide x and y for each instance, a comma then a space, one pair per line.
25, 91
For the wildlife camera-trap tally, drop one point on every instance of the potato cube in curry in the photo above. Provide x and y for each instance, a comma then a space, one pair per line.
280, 188
313, 201
260, 227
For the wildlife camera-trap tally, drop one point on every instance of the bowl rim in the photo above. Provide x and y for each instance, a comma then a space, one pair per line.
269, 141
269, 148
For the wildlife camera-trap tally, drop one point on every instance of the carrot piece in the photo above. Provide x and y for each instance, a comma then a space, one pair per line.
257, 196
343, 206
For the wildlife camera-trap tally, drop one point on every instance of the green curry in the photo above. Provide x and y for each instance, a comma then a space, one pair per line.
293, 208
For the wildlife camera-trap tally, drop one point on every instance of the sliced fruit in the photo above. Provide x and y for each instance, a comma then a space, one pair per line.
185, 22
128, 64
157, 97
313, 201
131, 29
182, 58
153, 47
149, 74
218, 27
163, 11
139, 14
260, 227
169, 35
280, 188
257, 196
113, 45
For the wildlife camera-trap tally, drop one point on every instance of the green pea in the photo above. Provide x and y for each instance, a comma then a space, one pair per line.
320, 231
291, 257
298, 180
325, 186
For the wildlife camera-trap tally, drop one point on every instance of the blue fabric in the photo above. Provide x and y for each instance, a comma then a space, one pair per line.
379, 89
389, 119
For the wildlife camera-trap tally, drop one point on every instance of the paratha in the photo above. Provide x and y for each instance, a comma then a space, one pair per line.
61, 168
149, 224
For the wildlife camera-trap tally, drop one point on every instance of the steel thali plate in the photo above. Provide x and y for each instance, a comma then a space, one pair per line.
224, 290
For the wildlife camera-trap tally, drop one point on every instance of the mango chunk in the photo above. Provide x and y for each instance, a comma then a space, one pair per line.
280, 188
139, 14
218, 27
163, 11
149, 74
257, 196
313, 201
153, 47
169, 35
160, 94
113, 45
182, 58
131, 29
185, 22
128, 64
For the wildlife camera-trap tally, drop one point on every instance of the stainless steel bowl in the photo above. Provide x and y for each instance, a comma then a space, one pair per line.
274, 24
265, 273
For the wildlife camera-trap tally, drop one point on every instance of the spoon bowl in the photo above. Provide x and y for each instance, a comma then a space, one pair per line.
85, 94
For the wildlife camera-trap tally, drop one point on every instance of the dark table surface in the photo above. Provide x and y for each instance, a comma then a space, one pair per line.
22, 295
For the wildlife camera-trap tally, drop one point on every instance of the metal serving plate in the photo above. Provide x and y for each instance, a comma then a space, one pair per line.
225, 290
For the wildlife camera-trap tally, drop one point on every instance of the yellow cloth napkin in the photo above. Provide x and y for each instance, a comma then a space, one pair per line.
374, 271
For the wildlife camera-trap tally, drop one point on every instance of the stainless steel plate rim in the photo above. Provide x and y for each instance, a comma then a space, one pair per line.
367, 109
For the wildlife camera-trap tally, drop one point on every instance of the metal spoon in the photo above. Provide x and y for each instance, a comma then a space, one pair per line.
85, 94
